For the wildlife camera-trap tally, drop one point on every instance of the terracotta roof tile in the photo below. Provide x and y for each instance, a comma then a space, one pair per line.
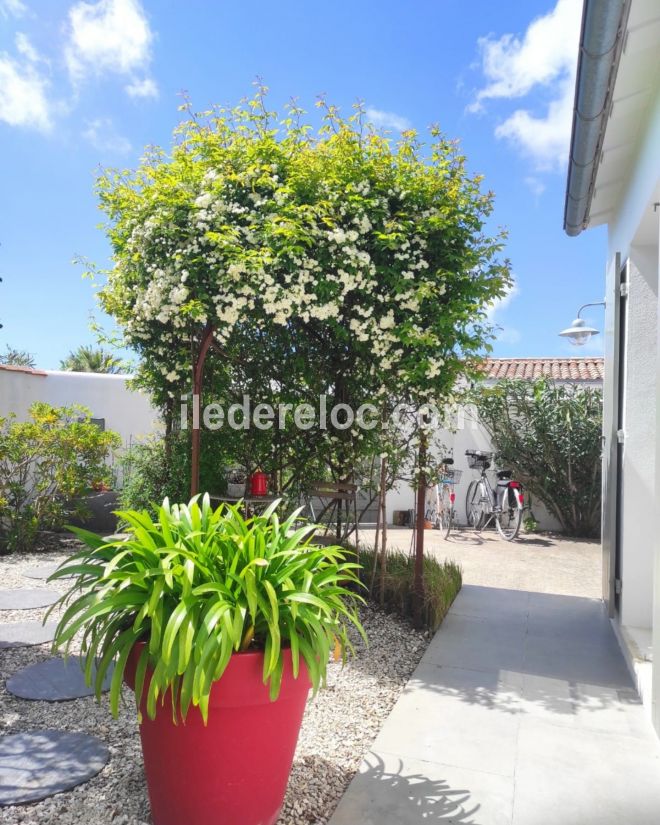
559, 369
28, 370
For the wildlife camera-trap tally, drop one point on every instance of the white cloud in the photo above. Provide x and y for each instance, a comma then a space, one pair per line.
545, 58
535, 185
388, 120
500, 304
24, 99
12, 8
101, 133
142, 88
108, 36
503, 333
25, 47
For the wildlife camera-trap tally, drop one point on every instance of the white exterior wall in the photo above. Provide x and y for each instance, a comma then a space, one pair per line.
126, 411
634, 234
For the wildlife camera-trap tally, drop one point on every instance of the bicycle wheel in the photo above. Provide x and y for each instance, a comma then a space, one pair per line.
474, 506
446, 513
508, 521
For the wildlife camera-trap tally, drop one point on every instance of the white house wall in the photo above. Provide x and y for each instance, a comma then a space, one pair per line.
126, 411
639, 513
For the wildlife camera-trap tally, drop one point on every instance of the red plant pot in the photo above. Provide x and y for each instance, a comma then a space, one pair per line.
234, 770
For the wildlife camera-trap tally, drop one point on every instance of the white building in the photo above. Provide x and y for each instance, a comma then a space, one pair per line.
614, 179
469, 434
109, 398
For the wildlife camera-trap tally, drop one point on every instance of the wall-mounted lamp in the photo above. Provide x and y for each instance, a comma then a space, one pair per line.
579, 333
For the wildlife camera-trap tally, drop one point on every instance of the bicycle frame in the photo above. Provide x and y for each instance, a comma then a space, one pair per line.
493, 505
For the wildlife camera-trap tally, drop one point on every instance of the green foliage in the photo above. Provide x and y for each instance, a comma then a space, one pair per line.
92, 359
335, 262
198, 585
17, 358
550, 436
442, 581
46, 464
159, 468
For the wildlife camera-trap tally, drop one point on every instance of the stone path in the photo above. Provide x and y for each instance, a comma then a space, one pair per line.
21, 634
27, 599
521, 712
55, 680
41, 571
37, 764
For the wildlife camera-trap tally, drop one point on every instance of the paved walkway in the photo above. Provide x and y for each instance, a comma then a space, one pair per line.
538, 562
521, 712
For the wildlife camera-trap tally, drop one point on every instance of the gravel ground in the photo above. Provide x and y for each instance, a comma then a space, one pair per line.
338, 727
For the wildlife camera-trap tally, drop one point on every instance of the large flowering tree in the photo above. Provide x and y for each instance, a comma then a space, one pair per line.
359, 262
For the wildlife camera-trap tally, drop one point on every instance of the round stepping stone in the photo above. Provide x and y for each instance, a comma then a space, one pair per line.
55, 680
27, 599
23, 634
41, 571
40, 763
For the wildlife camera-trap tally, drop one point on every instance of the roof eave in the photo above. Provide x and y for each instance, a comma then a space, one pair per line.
601, 43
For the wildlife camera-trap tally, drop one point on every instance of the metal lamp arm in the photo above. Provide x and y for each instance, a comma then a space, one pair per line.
593, 304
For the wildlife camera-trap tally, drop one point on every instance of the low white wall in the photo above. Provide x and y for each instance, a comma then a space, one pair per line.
126, 411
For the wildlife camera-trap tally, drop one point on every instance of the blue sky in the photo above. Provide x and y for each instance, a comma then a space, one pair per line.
89, 83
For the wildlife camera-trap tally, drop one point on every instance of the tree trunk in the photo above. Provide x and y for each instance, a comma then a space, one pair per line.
418, 585
198, 375
383, 521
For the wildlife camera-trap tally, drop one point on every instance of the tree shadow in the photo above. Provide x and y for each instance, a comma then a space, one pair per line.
386, 792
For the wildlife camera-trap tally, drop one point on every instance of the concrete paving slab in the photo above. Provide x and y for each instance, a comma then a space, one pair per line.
448, 715
38, 764
577, 661
580, 777
410, 791
527, 688
593, 707
478, 643
27, 598
484, 602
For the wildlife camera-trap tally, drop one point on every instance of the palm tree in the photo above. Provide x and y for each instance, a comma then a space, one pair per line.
90, 359
17, 358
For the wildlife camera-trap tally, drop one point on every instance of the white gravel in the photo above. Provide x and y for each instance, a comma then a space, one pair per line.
338, 727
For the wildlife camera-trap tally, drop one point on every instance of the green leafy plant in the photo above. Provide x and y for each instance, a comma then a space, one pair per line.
17, 358
198, 585
46, 464
93, 359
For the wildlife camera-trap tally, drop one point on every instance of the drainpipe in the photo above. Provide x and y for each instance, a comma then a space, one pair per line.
601, 43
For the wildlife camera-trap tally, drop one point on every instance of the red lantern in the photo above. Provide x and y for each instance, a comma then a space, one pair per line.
258, 484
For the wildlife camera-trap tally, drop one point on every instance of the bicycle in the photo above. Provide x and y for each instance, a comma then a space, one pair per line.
446, 516
482, 506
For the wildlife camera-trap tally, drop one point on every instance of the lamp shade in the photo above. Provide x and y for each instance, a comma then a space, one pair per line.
578, 333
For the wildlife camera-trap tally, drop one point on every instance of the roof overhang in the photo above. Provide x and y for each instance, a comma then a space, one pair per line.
617, 79
601, 45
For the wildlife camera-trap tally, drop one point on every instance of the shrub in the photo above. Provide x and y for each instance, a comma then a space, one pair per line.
442, 581
197, 585
549, 435
46, 464
154, 470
